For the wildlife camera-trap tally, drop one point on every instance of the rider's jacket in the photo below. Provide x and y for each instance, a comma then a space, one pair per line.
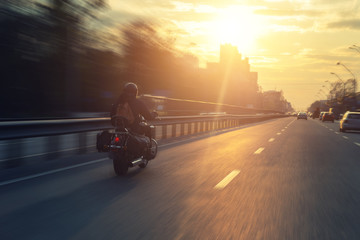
137, 106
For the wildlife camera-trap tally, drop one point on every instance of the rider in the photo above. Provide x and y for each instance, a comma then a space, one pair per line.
138, 109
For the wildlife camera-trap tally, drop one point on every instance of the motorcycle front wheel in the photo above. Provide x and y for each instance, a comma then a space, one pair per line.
153, 150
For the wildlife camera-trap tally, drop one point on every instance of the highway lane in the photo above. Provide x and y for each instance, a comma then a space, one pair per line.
282, 179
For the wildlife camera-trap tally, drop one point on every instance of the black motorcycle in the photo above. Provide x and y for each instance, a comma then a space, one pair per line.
127, 148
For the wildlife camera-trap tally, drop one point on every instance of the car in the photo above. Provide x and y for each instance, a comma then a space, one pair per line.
302, 115
320, 116
350, 121
328, 117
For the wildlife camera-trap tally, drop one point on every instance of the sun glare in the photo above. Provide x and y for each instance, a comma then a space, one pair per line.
239, 27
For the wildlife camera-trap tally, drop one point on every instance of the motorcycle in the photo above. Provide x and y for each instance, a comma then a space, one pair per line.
127, 148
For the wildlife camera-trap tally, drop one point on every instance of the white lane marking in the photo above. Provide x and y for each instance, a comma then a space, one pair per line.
345, 137
282, 130
292, 122
357, 143
337, 133
279, 133
271, 139
227, 179
331, 129
259, 150
51, 172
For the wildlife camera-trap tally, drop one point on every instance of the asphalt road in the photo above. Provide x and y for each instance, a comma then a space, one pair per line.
281, 179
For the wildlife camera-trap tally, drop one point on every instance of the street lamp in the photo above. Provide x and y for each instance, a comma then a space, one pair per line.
337, 77
330, 92
339, 63
342, 81
356, 48
354, 79
324, 86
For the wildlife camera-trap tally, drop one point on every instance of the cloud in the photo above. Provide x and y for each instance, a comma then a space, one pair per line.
222, 3
289, 12
301, 25
192, 16
353, 24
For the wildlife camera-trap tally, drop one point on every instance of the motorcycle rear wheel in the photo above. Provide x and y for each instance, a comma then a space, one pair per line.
144, 164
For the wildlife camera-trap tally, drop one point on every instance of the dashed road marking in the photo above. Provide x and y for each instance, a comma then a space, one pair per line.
259, 150
357, 143
227, 179
345, 137
331, 129
271, 139
279, 133
283, 130
337, 133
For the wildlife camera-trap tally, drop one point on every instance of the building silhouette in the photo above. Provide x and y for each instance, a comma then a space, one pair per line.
233, 77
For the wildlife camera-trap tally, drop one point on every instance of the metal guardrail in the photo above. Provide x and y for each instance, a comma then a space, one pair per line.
37, 128
50, 139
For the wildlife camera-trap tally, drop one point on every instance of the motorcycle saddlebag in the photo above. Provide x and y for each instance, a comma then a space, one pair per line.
138, 144
103, 141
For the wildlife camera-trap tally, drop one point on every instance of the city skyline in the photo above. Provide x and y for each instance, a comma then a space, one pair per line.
293, 45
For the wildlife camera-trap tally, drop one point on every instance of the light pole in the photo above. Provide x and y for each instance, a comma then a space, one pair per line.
330, 92
337, 76
328, 97
356, 48
322, 91
324, 86
343, 82
339, 63
354, 78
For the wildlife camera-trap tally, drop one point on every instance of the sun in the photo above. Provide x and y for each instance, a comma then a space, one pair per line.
239, 27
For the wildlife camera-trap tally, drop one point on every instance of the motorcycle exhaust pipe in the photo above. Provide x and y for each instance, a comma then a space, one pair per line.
137, 162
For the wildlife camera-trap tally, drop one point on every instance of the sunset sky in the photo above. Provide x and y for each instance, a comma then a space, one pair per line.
293, 45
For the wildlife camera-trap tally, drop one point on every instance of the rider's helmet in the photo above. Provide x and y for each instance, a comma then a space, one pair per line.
130, 89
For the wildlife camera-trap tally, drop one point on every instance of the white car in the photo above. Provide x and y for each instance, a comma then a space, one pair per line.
350, 121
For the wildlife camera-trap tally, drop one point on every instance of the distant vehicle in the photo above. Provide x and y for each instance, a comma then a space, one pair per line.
328, 117
336, 113
302, 115
316, 113
320, 116
350, 121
